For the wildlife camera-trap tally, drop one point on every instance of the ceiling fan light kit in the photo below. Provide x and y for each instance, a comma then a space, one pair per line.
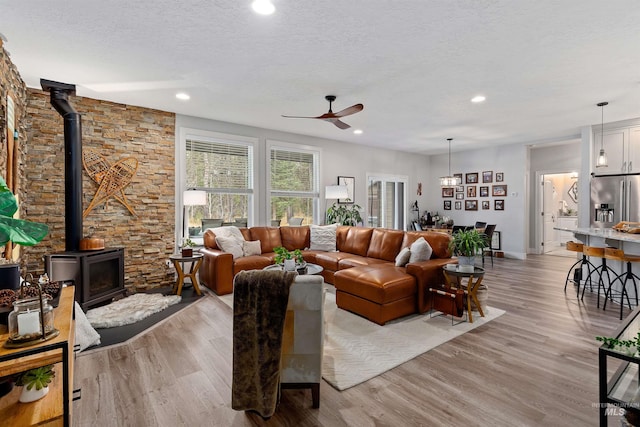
332, 117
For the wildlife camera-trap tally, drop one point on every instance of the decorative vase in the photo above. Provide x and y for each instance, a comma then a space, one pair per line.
32, 395
290, 265
466, 263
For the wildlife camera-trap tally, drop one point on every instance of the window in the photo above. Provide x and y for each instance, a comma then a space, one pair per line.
386, 201
293, 184
224, 169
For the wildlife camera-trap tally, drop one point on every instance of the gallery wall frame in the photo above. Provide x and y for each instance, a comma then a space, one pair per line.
496, 241
447, 192
458, 205
447, 205
484, 191
499, 190
471, 191
487, 176
350, 183
470, 205
471, 178
498, 205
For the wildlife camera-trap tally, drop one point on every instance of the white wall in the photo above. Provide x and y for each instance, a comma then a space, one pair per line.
508, 159
338, 159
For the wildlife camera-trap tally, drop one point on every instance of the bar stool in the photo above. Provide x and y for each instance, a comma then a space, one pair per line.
578, 247
624, 277
602, 269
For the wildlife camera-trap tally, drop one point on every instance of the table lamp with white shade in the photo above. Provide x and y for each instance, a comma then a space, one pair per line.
191, 197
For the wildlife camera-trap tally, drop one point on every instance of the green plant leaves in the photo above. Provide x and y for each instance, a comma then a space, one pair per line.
39, 377
20, 231
344, 215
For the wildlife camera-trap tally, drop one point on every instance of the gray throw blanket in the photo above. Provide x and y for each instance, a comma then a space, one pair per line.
259, 308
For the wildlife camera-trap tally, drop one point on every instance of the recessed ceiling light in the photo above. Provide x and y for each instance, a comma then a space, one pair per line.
478, 98
183, 96
263, 7
358, 131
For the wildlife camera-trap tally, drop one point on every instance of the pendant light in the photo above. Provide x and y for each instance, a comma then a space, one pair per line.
449, 181
602, 157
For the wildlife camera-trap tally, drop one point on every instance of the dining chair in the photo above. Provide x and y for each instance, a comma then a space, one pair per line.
480, 225
488, 232
295, 221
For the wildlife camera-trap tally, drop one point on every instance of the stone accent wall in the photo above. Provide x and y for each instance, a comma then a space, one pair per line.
11, 84
116, 131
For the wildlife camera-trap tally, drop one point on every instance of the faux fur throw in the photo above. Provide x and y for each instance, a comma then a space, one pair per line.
259, 309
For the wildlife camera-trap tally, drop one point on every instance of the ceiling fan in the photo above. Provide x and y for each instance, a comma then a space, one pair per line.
332, 117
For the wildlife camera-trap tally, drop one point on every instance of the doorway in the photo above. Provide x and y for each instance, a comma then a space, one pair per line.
558, 199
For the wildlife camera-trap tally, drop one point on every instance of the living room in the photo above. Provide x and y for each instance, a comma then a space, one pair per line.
155, 133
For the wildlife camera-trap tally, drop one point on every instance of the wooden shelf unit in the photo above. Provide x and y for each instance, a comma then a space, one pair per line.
55, 407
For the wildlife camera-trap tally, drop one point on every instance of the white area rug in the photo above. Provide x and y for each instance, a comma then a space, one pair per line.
130, 309
356, 350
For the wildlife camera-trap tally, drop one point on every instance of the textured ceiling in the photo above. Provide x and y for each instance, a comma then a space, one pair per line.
414, 64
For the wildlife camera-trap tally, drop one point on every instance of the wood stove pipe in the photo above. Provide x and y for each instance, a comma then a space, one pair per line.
72, 159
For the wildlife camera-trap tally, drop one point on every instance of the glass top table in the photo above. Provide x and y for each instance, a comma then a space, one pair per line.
310, 269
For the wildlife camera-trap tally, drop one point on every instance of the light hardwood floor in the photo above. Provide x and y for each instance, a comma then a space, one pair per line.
536, 365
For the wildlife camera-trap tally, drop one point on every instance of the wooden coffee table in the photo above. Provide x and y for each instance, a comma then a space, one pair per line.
454, 281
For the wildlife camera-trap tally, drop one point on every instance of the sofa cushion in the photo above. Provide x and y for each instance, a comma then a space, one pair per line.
354, 240
438, 241
380, 285
329, 260
385, 244
295, 237
230, 245
254, 262
323, 237
251, 248
269, 237
359, 261
420, 250
403, 257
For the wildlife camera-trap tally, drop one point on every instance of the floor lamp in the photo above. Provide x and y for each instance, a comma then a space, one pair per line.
191, 198
334, 192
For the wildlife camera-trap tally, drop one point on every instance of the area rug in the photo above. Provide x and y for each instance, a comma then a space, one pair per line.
130, 309
356, 350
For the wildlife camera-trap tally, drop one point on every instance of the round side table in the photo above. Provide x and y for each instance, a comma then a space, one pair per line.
178, 262
454, 280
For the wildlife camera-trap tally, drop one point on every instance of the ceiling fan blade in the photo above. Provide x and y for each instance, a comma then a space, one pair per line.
350, 110
340, 124
303, 117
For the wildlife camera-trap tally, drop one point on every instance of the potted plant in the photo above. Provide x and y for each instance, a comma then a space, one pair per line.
187, 247
35, 382
290, 260
344, 214
18, 231
466, 244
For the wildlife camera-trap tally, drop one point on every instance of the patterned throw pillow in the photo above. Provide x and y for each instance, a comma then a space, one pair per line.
420, 250
323, 238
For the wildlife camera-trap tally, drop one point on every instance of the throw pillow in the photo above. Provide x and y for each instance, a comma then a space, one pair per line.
228, 231
230, 245
420, 250
323, 238
403, 257
86, 336
251, 247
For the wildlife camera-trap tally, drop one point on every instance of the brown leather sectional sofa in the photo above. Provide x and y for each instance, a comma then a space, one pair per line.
362, 269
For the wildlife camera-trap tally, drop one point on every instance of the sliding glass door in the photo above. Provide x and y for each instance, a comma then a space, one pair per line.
386, 201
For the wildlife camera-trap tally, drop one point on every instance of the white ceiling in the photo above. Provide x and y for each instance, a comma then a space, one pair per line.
414, 64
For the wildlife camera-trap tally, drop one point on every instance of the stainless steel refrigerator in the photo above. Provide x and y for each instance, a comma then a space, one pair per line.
614, 198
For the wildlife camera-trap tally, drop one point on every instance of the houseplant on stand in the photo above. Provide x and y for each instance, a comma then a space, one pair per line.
35, 382
187, 247
466, 244
339, 213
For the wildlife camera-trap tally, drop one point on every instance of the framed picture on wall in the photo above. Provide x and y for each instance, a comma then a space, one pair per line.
487, 176
447, 192
459, 188
499, 190
486, 204
471, 191
459, 196
470, 205
484, 191
496, 241
350, 183
447, 205
458, 206
458, 175
499, 176
498, 205
472, 178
